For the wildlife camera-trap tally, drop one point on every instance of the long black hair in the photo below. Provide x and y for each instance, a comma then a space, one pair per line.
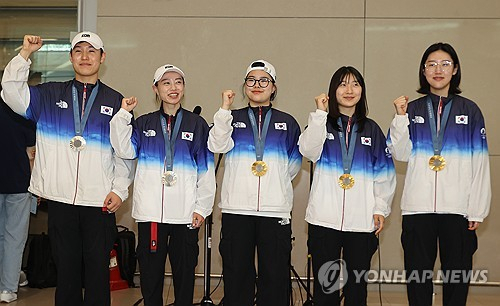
361, 110
425, 87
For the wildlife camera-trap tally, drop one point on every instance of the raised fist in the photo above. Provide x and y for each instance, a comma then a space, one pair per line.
227, 99
401, 105
322, 102
31, 43
129, 104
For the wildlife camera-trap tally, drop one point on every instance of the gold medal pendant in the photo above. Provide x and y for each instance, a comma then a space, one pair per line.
77, 143
346, 181
169, 178
437, 163
259, 168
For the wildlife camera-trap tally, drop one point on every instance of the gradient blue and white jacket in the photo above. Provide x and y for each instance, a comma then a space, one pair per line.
193, 164
59, 173
463, 186
373, 171
242, 192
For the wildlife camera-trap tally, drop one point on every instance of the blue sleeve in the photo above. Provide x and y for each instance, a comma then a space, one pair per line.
294, 156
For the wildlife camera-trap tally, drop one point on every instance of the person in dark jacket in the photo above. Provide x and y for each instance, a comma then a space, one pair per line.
18, 141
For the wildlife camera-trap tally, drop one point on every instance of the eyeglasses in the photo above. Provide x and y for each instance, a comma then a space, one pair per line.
444, 66
263, 83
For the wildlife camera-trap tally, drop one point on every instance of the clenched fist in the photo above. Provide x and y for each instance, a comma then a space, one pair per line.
322, 102
129, 104
401, 105
31, 43
227, 99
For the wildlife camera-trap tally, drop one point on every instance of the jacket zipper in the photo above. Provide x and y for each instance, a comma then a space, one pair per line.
435, 191
162, 201
258, 190
343, 212
439, 111
77, 173
347, 131
169, 126
78, 157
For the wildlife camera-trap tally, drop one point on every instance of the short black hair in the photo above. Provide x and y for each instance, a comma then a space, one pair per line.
425, 87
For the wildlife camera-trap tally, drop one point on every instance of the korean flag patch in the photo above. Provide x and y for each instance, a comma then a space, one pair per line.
280, 126
106, 110
462, 119
187, 136
367, 141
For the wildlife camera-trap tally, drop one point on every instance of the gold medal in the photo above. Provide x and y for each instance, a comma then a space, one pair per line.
77, 143
346, 181
437, 163
259, 168
169, 178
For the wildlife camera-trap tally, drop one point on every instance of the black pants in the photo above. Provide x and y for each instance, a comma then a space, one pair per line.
240, 236
421, 235
181, 245
81, 234
325, 246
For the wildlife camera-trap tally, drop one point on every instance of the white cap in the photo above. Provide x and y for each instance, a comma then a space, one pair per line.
164, 69
89, 37
264, 66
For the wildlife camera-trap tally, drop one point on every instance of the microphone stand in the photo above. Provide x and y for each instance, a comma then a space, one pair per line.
309, 300
206, 300
307, 286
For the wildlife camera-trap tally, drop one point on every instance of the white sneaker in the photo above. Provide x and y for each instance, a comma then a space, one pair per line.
23, 281
8, 296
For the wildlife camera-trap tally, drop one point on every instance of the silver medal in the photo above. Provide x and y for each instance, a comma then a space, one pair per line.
77, 143
169, 178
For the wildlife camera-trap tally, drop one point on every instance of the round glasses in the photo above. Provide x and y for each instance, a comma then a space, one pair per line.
263, 83
444, 66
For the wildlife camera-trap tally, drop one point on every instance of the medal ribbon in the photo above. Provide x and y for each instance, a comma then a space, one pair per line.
170, 139
438, 132
259, 138
347, 156
81, 121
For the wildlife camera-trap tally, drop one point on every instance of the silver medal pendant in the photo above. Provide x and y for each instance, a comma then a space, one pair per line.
77, 143
169, 178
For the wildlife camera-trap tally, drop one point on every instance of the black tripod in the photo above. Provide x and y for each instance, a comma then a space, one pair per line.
307, 286
206, 300
207, 258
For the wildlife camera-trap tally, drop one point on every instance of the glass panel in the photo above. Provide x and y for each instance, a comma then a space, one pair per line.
53, 20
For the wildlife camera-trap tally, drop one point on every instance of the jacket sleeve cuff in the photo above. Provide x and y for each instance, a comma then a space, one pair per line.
202, 212
122, 113
121, 194
382, 213
401, 121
